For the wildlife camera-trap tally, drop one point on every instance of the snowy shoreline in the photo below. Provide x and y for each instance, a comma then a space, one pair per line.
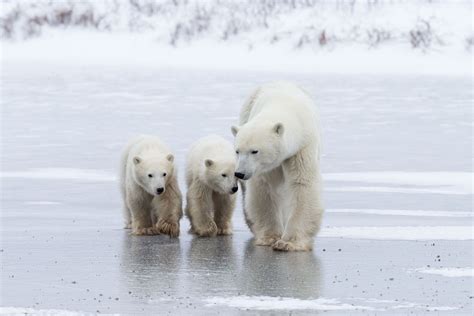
99, 50
350, 37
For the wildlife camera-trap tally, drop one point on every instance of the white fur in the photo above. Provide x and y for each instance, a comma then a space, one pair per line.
278, 154
210, 199
146, 210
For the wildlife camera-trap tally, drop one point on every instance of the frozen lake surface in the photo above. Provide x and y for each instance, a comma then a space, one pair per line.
397, 234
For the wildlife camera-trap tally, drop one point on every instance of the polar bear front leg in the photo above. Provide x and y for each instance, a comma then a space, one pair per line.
139, 203
263, 213
223, 209
199, 210
168, 210
303, 222
306, 210
127, 215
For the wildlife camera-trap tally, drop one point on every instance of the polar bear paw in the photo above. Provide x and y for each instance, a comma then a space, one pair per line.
282, 245
208, 230
147, 231
168, 228
266, 240
224, 229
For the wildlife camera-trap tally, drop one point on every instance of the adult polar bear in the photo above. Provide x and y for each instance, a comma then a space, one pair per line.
277, 145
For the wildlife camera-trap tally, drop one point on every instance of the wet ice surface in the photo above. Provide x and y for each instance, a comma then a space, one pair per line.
397, 235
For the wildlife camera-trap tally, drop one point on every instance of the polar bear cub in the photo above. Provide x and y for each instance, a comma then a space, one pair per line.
277, 146
211, 183
151, 196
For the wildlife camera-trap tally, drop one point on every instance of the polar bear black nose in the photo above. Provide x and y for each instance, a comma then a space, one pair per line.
160, 190
239, 175
234, 189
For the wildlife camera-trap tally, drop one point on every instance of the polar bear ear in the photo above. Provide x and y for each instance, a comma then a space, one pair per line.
234, 130
208, 162
278, 128
137, 160
170, 157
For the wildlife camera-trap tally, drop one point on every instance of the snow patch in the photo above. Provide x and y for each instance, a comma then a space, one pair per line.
61, 174
269, 303
448, 272
405, 177
42, 312
425, 182
401, 232
441, 308
282, 303
416, 213
395, 190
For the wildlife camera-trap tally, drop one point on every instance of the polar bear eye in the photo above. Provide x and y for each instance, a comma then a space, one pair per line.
237, 152
150, 175
254, 152
224, 175
164, 174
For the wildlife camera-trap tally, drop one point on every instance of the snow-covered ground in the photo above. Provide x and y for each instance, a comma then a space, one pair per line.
325, 36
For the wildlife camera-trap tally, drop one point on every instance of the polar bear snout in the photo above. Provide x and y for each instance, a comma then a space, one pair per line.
234, 190
160, 190
243, 176
240, 175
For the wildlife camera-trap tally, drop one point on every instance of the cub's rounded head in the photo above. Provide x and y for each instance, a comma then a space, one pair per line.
220, 175
153, 173
259, 148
